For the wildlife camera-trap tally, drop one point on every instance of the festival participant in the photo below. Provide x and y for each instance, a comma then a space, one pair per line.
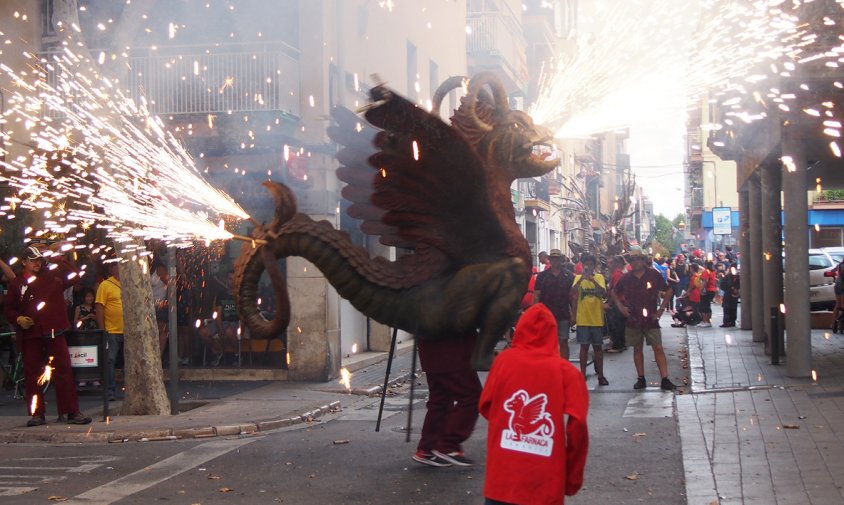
85, 318
544, 263
639, 289
453, 393
158, 279
109, 306
553, 288
36, 304
536, 404
615, 321
839, 299
587, 294
221, 331
730, 284
707, 294
681, 267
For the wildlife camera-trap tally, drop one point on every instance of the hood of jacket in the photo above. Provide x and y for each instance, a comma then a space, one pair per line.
537, 331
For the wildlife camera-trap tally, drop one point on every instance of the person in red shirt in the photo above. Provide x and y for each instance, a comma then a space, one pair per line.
36, 304
637, 295
707, 293
536, 404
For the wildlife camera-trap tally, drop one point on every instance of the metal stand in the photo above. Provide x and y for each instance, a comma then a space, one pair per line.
106, 372
412, 388
387, 377
775, 336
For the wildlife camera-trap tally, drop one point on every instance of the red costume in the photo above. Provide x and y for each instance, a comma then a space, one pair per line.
533, 455
41, 298
453, 392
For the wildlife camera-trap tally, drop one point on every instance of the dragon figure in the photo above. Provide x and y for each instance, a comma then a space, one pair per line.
440, 191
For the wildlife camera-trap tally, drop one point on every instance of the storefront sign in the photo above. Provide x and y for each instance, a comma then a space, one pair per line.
722, 222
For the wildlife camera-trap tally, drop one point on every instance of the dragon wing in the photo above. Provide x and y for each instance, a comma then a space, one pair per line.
420, 186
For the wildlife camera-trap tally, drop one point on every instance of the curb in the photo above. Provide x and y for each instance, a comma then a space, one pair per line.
166, 434
376, 390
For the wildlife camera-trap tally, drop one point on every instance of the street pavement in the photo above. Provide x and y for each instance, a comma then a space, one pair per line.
210, 408
752, 435
736, 431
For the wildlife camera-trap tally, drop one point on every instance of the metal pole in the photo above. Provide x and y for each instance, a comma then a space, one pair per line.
775, 342
106, 372
387, 377
412, 389
172, 329
771, 260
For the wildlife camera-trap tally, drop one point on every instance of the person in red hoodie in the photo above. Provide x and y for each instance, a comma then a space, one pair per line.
536, 404
36, 305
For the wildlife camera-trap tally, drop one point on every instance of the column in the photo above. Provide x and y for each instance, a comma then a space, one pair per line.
796, 229
748, 261
754, 199
771, 182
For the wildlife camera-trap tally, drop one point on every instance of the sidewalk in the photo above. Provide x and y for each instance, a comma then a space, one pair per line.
213, 408
750, 434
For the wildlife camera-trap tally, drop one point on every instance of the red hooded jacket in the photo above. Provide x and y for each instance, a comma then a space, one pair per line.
533, 455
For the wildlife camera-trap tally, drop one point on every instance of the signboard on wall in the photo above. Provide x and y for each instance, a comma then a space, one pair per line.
722, 222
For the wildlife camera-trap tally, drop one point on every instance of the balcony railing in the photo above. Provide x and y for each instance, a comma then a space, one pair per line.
233, 79
194, 80
496, 36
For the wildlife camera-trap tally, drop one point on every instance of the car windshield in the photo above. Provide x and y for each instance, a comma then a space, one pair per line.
819, 261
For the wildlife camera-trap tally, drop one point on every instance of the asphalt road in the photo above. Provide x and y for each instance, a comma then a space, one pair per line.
634, 457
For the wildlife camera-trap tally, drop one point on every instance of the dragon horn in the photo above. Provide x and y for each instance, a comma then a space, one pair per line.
498, 92
449, 84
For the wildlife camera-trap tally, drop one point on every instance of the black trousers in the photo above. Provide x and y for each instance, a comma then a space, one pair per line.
730, 306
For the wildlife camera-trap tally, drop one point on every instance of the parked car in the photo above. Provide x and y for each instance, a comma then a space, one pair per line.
836, 253
822, 269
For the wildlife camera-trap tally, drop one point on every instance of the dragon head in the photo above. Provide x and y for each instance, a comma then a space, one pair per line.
507, 139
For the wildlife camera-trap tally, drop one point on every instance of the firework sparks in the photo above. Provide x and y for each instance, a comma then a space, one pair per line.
100, 156
346, 379
45, 377
643, 63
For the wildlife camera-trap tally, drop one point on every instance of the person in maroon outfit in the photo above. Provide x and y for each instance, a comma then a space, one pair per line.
453, 394
36, 304
637, 296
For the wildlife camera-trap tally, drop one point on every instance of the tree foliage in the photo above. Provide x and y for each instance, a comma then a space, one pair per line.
666, 232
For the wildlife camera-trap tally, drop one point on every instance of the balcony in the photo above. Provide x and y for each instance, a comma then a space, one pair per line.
694, 145
828, 199
696, 201
536, 194
497, 45
219, 80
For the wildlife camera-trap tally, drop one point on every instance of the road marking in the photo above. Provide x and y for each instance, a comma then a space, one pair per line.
650, 405
16, 491
159, 472
69, 469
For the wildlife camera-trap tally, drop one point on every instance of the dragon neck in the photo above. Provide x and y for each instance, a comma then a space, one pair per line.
375, 287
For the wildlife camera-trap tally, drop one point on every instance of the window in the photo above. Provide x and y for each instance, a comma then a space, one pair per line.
411, 71
433, 77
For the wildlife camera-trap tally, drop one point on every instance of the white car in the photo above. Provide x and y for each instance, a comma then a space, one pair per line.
822, 268
836, 253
